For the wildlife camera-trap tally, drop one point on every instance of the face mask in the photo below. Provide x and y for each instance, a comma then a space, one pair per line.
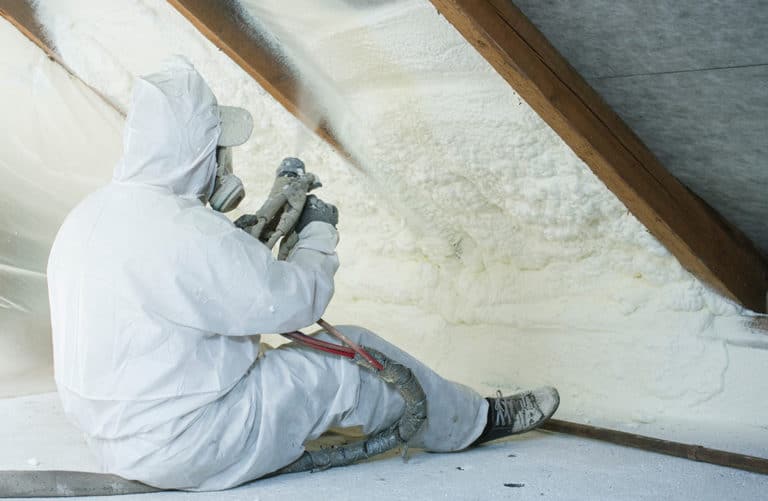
228, 189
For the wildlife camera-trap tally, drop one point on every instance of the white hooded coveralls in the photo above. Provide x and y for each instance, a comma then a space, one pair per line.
156, 303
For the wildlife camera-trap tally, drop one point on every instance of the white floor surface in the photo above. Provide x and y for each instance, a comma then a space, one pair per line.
539, 465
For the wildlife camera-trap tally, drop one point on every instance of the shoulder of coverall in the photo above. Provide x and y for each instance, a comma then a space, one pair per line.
201, 220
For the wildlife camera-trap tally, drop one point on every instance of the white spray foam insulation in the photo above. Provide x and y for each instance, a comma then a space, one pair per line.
472, 236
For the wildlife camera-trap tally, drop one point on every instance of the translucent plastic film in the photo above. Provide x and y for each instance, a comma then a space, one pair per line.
59, 142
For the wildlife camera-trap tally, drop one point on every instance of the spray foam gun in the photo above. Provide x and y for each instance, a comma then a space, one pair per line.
277, 219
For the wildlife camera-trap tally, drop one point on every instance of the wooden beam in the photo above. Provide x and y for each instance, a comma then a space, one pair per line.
687, 451
701, 239
21, 14
226, 25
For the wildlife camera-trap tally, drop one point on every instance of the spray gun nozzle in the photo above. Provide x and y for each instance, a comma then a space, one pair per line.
291, 167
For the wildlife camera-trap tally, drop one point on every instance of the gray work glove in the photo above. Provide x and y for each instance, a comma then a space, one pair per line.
279, 214
317, 210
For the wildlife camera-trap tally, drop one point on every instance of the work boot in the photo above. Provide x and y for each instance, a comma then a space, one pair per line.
518, 413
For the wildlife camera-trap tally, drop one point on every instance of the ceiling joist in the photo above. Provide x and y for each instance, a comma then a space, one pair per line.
701, 239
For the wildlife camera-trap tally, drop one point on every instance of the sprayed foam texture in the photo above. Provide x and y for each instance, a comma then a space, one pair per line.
470, 234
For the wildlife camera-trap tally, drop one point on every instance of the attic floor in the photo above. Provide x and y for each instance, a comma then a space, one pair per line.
538, 465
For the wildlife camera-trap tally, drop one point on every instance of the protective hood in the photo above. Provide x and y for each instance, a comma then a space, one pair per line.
171, 132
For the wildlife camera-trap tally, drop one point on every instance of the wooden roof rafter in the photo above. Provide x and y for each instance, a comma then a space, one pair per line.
702, 241
227, 26
21, 14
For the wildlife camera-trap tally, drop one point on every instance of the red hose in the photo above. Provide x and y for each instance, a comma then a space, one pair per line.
319, 344
335, 349
344, 339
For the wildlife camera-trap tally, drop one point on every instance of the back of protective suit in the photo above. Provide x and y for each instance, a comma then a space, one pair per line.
156, 299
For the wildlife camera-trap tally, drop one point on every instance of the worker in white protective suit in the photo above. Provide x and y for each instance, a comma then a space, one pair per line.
157, 302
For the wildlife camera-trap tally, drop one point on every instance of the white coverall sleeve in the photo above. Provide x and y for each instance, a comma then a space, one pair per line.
291, 294
231, 284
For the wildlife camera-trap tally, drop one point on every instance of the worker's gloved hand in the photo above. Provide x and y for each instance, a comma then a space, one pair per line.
278, 216
317, 210
246, 221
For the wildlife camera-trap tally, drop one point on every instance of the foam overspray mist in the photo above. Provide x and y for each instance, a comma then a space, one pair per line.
332, 100
282, 24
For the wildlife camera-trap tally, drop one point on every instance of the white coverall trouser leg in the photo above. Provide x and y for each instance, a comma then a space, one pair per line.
294, 394
345, 395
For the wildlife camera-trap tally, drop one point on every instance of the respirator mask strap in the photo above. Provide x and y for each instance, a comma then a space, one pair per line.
236, 127
228, 189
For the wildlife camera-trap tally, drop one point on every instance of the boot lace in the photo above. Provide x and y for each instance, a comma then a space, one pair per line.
507, 409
